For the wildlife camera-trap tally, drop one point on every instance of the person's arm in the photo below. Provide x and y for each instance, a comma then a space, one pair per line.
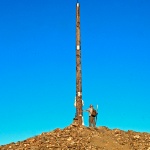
87, 110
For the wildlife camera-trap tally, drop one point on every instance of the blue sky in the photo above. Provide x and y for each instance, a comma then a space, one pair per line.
37, 65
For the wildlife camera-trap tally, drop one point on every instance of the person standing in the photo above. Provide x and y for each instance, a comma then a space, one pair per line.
91, 117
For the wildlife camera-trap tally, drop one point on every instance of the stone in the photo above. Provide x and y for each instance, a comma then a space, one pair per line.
76, 137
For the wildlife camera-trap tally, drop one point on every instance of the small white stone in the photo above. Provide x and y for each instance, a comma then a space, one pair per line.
69, 139
136, 136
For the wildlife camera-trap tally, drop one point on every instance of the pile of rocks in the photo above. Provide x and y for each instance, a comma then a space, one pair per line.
84, 138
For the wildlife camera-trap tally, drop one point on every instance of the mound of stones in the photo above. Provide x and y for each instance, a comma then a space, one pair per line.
84, 138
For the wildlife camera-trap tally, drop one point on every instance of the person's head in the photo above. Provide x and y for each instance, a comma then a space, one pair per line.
91, 105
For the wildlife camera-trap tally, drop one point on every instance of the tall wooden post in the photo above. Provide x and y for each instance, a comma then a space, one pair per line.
78, 68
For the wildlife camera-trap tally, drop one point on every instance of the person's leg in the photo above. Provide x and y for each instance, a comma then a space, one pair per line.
90, 121
94, 124
93, 121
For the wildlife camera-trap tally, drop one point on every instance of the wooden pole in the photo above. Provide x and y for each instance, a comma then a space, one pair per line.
78, 68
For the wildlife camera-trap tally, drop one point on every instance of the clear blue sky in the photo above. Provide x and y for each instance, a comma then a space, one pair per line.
37, 64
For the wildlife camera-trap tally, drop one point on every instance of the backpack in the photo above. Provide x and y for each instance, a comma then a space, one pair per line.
94, 113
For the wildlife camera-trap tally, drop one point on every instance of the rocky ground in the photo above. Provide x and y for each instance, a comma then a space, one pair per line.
84, 138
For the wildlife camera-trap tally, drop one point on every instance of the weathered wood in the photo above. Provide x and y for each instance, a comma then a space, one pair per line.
78, 68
